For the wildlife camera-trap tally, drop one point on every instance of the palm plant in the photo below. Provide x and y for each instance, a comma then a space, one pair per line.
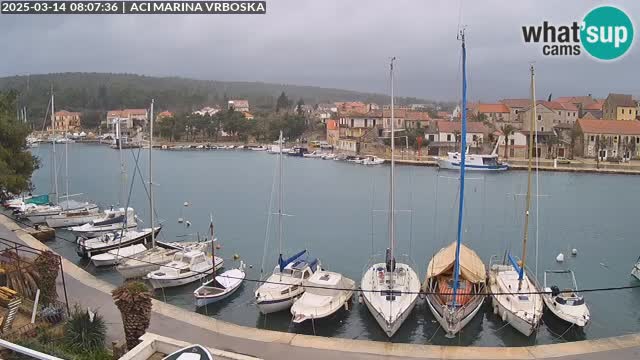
507, 130
85, 331
134, 302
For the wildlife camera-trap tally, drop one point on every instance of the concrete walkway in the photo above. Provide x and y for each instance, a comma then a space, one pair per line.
171, 321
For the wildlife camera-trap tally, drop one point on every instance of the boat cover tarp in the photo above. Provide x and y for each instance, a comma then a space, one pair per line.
115, 220
471, 266
284, 263
38, 200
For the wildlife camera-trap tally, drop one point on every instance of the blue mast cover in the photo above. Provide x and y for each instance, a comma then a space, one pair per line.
284, 263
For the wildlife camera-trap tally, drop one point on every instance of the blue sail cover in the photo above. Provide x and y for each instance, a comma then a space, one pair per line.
517, 267
284, 263
38, 200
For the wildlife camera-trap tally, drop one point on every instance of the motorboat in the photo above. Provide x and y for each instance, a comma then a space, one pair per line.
73, 218
40, 213
111, 220
139, 265
568, 304
184, 268
372, 160
113, 257
473, 162
284, 286
636, 269
330, 156
192, 352
258, 148
314, 154
298, 151
469, 294
220, 287
325, 293
354, 159
390, 288
86, 248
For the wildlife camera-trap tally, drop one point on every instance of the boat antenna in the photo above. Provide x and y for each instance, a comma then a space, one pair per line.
153, 235
213, 251
463, 157
528, 203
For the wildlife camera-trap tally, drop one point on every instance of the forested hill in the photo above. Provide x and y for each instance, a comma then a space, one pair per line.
104, 91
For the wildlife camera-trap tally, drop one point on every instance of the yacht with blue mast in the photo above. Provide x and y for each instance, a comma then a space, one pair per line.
455, 282
284, 286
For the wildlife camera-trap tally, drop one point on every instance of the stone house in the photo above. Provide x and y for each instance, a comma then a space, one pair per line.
66, 120
619, 107
610, 138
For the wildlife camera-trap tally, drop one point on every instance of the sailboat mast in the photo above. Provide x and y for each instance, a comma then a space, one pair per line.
55, 166
66, 163
153, 235
463, 158
280, 140
528, 205
392, 200
213, 248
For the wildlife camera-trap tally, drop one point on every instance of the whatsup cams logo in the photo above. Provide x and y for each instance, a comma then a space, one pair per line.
605, 33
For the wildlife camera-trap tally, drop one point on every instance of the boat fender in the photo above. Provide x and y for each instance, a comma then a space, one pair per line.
505, 316
495, 310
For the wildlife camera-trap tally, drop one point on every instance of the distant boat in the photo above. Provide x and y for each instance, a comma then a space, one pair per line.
39, 213
193, 352
325, 294
314, 154
74, 217
298, 151
372, 160
474, 162
184, 268
86, 248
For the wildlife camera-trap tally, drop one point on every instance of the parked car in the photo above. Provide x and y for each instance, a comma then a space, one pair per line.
563, 160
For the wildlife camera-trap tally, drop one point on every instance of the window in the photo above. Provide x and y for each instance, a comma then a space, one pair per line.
432, 137
448, 137
559, 113
475, 137
539, 117
637, 140
512, 142
622, 111
593, 138
542, 129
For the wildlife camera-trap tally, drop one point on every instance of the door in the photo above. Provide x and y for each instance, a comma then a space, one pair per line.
561, 152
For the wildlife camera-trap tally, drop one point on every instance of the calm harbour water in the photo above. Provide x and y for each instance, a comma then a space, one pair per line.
339, 213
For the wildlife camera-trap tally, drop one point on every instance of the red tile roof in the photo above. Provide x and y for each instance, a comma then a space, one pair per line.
595, 105
554, 105
165, 114
417, 115
493, 108
516, 103
574, 99
240, 103
613, 127
67, 113
398, 113
453, 126
444, 114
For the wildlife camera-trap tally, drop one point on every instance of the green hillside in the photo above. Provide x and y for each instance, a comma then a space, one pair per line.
104, 91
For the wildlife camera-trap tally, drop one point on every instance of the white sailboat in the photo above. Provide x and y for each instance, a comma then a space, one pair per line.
390, 289
221, 286
325, 294
86, 248
109, 221
515, 297
284, 285
568, 304
113, 257
456, 277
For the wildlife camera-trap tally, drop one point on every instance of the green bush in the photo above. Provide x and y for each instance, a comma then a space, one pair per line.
84, 334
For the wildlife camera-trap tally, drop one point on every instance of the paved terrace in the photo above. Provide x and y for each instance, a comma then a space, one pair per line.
171, 321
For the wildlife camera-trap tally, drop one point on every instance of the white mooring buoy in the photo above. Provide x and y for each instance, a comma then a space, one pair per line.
574, 252
560, 257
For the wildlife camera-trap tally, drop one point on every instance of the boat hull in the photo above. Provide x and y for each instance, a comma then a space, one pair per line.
580, 321
65, 221
452, 328
450, 165
159, 283
299, 318
85, 252
276, 305
97, 231
389, 329
201, 301
636, 271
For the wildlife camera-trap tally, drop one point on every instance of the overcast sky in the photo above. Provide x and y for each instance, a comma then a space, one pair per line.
330, 43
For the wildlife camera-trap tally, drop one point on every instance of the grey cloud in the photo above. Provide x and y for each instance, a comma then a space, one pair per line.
331, 43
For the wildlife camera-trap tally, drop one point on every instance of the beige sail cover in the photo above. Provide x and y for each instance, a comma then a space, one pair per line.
471, 266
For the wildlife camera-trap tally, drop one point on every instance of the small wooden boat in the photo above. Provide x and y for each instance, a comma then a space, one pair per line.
193, 352
220, 287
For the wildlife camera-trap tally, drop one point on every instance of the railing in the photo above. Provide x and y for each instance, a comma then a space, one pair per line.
26, 351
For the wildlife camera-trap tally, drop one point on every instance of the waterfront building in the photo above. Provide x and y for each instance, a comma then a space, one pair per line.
497, 114
66, 121
550, 114
619, 107
444, 136
612, 139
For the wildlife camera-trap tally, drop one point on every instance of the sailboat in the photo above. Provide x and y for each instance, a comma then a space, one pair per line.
109, 221
515, 297
390, 289
455, 282
159, 253
40, 213
284, 285
221, 286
